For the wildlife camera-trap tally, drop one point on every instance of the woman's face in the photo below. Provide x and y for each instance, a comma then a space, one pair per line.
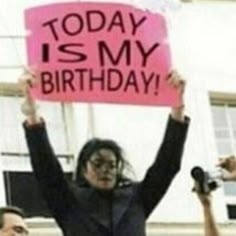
101, 169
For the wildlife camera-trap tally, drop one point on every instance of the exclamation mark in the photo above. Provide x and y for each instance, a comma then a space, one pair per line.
157, 80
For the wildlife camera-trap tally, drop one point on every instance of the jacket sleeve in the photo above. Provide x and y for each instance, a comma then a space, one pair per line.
166, 165
48, 172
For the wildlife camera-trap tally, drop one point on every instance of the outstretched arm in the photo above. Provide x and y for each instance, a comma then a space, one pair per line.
210, 226
29, 107
167, 163
175, 81
47, 169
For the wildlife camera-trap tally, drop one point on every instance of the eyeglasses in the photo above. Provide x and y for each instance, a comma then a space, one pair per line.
98, 164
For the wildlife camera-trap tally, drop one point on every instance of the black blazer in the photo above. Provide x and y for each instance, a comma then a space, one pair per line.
84, 211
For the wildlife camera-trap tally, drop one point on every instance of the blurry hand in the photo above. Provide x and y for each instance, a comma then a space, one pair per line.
176, 81
28, 107
228, 164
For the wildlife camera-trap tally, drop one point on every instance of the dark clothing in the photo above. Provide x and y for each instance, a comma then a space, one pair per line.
84, 211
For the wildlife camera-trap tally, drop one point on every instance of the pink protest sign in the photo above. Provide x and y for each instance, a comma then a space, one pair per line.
99, 52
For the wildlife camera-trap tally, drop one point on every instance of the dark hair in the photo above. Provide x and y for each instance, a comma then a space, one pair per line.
10, 209
90, 148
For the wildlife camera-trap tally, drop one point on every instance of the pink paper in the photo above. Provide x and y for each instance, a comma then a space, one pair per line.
99, 52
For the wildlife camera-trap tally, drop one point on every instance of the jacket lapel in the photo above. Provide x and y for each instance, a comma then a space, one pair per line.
92, 204
121, 201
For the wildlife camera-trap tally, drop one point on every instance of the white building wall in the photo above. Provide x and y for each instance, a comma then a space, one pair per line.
203, 41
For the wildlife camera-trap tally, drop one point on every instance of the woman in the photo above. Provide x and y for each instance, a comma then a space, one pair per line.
102, 201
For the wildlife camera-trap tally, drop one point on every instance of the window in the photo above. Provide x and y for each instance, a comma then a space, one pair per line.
22, 191
224, 118
224, 121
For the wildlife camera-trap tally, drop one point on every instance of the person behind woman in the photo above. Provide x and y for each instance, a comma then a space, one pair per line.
102, 201
210, 225
229, 165
12, 222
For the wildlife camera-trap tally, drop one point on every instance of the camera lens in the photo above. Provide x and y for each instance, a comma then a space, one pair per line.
197, 173
200, 177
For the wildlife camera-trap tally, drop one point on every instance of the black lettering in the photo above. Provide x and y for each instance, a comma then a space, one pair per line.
97, 17
157, 80
69, 49
46, 82
131, 81
104, 49
72, 24
45, 52
115, 79
144, 54
57, 80
117, 20
96, 79
52, 28
81, 72
136, 24
147, 81
68, 78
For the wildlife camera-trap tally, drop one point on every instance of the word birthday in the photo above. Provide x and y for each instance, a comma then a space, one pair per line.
112, 80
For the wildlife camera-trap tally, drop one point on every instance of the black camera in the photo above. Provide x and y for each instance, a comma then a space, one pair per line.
206, 182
